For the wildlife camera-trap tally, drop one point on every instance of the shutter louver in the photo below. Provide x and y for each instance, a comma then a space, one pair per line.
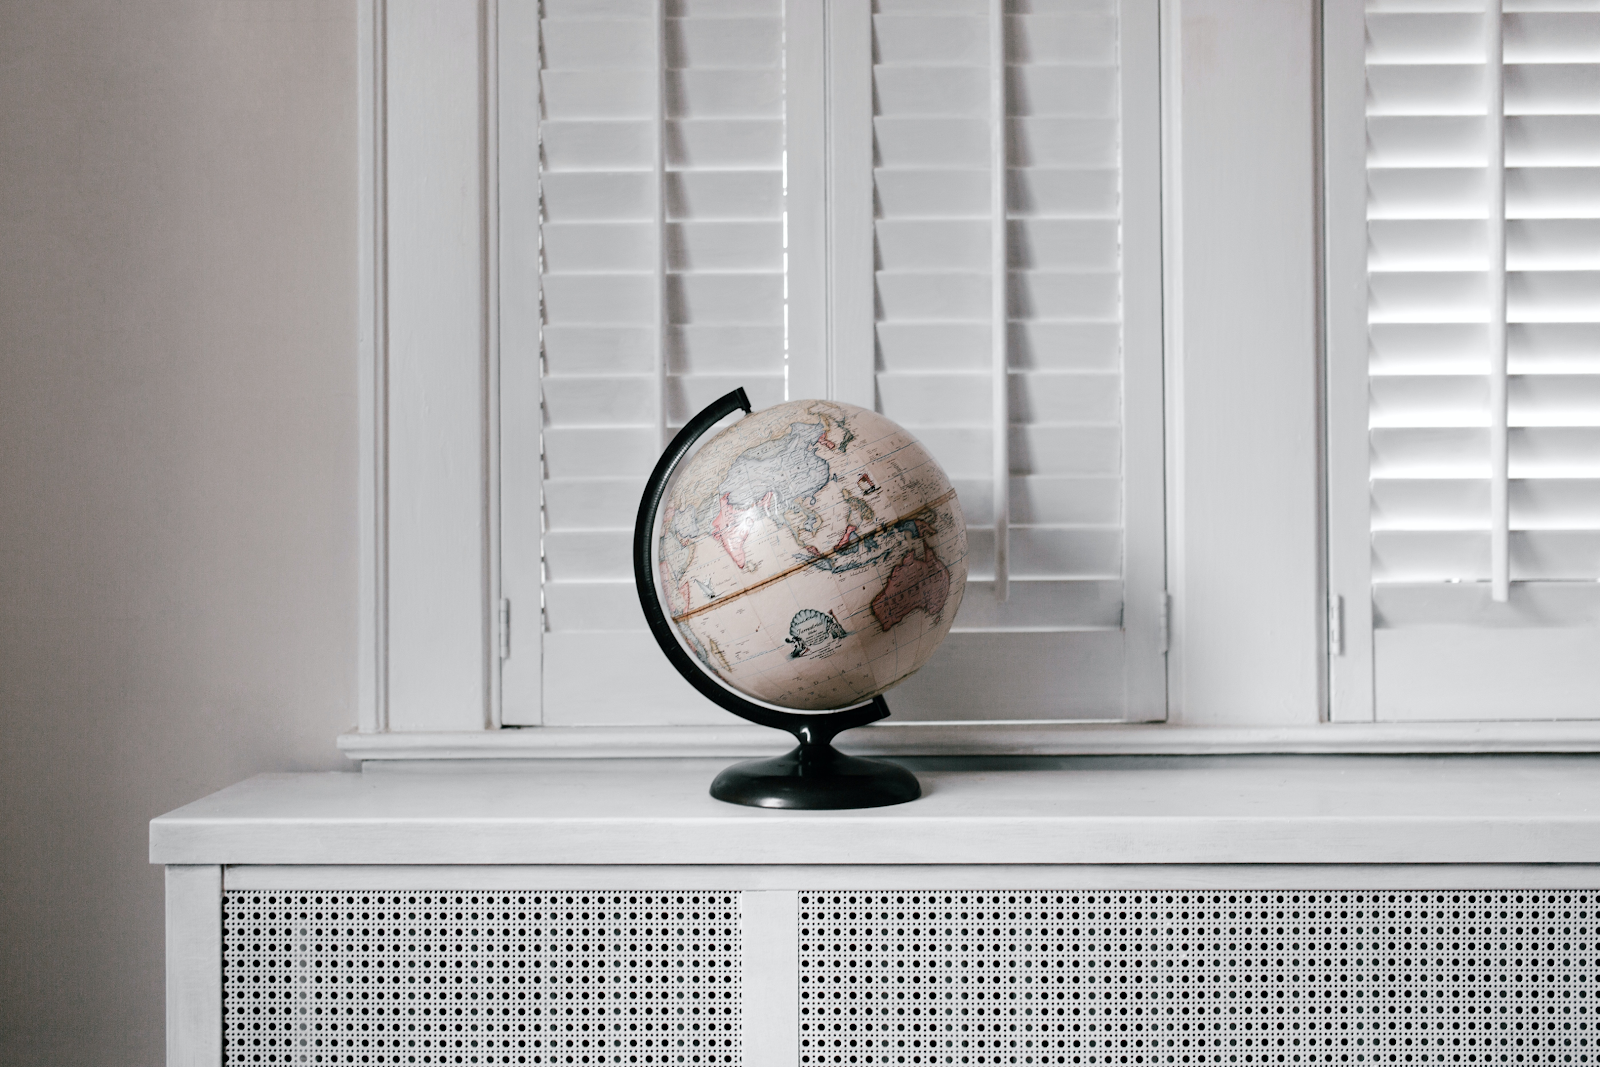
662, 187
935, 235
1431, 227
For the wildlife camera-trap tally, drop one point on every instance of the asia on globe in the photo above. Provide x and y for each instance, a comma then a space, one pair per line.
812, 555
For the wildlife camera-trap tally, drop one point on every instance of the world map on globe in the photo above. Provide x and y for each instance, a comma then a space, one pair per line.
812, 555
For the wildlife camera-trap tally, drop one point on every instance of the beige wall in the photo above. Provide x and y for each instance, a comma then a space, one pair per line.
177, 464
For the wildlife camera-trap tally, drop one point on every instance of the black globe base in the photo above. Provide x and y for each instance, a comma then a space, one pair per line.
816, 777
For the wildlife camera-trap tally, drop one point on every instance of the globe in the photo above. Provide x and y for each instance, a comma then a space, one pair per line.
812, 555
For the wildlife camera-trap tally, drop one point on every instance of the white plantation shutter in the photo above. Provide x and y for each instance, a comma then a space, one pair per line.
662, 192
1047, 230
666, 244
1479, 545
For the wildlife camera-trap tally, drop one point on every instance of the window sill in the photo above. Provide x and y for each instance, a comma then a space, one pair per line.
1012, 739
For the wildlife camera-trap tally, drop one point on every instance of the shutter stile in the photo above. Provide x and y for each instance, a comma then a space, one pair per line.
999, 301
663, 289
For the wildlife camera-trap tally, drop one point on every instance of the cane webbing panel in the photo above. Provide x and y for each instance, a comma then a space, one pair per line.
580, 978
1221, 978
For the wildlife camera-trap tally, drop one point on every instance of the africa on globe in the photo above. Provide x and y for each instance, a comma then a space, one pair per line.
812, 555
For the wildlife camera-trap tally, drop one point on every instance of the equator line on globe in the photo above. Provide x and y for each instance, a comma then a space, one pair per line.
812, 555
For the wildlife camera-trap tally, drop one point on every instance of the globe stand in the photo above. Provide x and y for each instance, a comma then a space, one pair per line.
815, 776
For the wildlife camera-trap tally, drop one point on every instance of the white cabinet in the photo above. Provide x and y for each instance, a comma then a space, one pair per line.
1094, 911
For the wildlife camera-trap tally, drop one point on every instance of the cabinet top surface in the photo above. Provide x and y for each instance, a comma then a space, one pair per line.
1063, 810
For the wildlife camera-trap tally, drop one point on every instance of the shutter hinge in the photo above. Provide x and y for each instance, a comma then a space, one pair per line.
1336, 626
505, 629
1166, 621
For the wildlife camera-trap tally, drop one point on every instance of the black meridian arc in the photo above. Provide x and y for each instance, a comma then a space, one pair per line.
644, 578
814, 775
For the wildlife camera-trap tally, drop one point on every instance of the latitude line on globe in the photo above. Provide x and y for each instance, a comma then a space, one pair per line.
718, 601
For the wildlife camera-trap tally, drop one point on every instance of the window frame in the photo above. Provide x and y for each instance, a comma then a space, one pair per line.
446, 318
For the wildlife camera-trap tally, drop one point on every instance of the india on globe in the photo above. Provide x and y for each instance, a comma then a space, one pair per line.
812, 555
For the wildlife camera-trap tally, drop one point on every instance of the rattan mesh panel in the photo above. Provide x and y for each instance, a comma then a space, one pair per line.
1197, 978
581, 978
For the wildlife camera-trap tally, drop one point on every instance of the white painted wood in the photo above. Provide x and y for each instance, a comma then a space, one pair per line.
1349, 499
1005, 342
372, 351
438, 613
658, 220
896, 738
768, 934
493, 618
779, 879
640, 686
1511, 809
1246, 596
1464, 673
999, 303
1255, 661
805, 202
1495, 223
1144, 546
1438, 404
1172, 348
1057, 674
663, 289
1442, 414
851, 307
194, 965
520, 483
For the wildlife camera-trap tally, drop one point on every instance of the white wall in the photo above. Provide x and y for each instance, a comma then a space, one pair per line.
177, 464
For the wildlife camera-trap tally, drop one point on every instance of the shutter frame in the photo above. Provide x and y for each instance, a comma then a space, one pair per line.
1064, 266
1410, 406
936, 236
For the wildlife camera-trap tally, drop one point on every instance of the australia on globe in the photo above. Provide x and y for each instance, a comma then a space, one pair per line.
812, 555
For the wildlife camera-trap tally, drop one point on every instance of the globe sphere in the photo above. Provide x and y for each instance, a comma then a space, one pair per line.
812, 555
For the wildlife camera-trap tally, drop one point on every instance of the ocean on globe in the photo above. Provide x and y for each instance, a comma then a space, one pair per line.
812, 555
